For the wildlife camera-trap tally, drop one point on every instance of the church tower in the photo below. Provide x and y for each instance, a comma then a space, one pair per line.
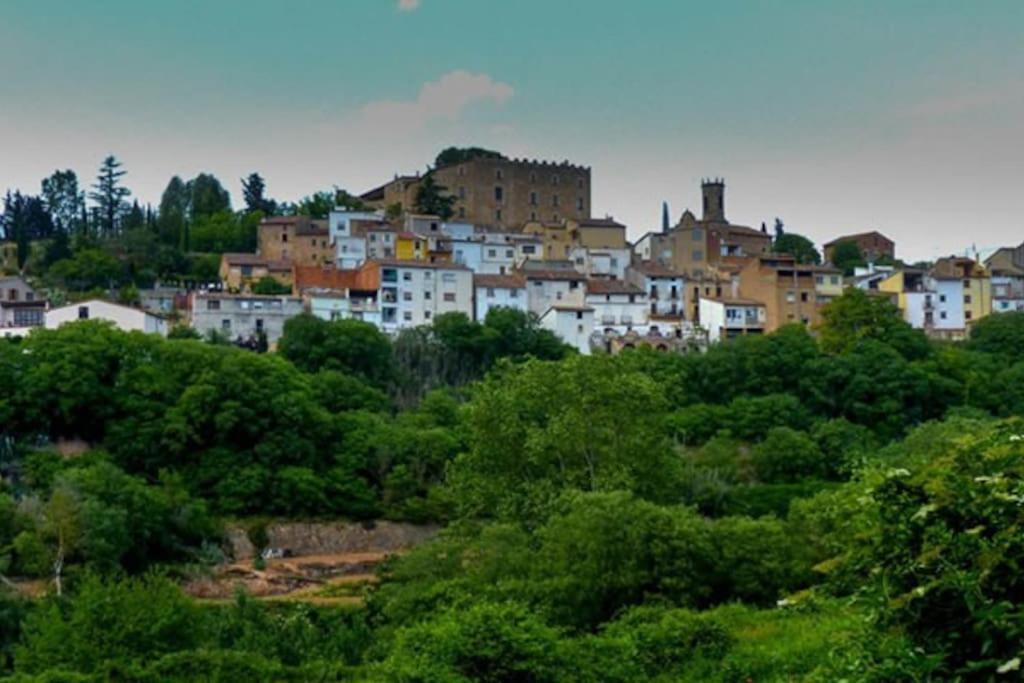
713, 190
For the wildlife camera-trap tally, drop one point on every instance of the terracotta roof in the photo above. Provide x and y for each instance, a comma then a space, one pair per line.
514, 281
366, 278
569, 307
654, 269
740, 230
552, 274
410, 263
244, 259
612, 287
733, 302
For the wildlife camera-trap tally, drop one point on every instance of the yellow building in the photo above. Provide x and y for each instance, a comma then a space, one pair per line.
410, 247
238, 272
556, 239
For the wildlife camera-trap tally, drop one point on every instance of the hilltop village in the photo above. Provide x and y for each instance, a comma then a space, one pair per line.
481, 231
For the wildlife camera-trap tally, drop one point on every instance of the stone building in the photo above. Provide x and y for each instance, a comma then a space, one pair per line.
787, 289
873, 245
499, 192
300, 239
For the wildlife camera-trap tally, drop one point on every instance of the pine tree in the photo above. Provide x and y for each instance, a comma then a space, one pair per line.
431, 199
109, 195
254, 191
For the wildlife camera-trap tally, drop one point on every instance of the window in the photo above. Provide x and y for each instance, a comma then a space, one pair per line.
373, 237
284, 237
389, 275
698, 255
697, 234
819, 279
558, 296
499, 193
426, 314
490, 292
406, 296
529, 249
579, 315
967, 298
509, 253
492, 253
967, 283
533, 215
533, 199
213, 304
533, 177
554, 179
790, 297
554, 200
427, 294
834, 279
513, 294
462, 192
407, 276
462, 212
259, 324
449, 296
497, 215
803, 297
967, 315
225, 325
942, 314
614, 263
407, 315
246, 271
942, 298
579, 203
83, 312
579, 183
499, 174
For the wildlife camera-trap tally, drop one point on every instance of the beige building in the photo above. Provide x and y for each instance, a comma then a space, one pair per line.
694, 247
238, 272
499, 192
787, 289
975, 281
873, 246
300, 239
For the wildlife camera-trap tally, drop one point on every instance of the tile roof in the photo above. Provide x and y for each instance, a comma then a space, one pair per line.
855, 236
733, 302
599, 223
552, 274
511, 281
365, 278
612, 287
654, 269
410, 263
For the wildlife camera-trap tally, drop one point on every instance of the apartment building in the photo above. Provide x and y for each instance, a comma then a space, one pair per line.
928, 302
666, 289
239, 272
728, 318
548, 286
498, 291
975, 281
1006, 270
243, 317
787, 289
123, 318
619, 306
572, 323
415, 292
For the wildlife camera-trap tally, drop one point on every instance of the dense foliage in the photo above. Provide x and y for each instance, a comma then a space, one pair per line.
845, 506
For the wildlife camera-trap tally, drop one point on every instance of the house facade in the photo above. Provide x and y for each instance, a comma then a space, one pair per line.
498, 291
124, 318
728, 318
243, 317
415, 292
298, 239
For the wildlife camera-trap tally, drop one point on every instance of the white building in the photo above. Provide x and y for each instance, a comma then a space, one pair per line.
934, 304
335, 304
123, 317
348, 235
601, 262
20, 306
243, 316
498, 291
619, 306
547, 287
572, 323
487, 258
665, 288
728, 318
414, 292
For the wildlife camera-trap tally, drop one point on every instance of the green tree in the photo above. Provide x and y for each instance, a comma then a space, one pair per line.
350, 346
109, 195
797, 246
173, 214
1001, 335
456, 155
206, 197
857, 315
847, 256
433, 199
64, 200
254, 192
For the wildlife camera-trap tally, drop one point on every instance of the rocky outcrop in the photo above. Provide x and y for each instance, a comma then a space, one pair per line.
323, 538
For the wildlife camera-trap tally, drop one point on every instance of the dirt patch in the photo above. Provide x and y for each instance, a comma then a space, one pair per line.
328, 538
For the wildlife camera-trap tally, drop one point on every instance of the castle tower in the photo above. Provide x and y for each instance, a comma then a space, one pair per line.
713, 190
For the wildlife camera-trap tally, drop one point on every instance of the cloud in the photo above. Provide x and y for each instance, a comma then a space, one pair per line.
444, 99
408, 5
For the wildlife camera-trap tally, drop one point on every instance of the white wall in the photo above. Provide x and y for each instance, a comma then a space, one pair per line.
574, 327
123, 317
488, 298
422, 293
617, 312
543, 294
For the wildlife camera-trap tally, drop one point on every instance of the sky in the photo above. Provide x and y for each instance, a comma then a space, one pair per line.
837, 117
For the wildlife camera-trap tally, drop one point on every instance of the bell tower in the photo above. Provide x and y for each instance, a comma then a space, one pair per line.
713, 190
